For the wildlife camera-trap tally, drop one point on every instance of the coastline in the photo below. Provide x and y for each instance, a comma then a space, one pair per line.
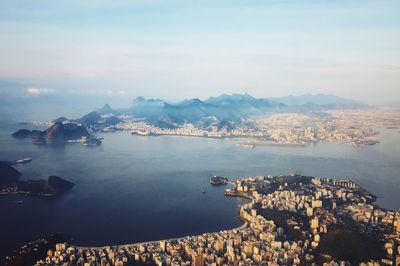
243, 226
241, 140
27, 193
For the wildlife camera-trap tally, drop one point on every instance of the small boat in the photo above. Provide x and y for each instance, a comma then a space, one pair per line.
203, 191
21, 161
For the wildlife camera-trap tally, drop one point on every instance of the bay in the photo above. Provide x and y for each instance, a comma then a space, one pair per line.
134, 188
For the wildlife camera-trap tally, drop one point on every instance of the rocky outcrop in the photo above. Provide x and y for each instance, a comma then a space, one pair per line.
59, 185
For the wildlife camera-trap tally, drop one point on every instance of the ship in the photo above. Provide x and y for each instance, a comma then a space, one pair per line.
218, 180
143, 133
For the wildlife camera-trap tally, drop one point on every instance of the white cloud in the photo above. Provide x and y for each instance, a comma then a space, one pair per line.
37, 91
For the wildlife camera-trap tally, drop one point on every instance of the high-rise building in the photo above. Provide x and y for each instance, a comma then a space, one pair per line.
237, 241
197, 259
398, 223
314, 223
248, 248
316, 203
163, 245
309, 211
219, 245
60, 247
49, 253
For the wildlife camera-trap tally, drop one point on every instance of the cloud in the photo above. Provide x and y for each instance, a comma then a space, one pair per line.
37, 91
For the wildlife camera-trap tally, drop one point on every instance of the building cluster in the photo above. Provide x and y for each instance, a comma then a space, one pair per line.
375, 117
294, 128
323, 203
349, 126
257, 242
187, 129
329, 203
263, 133
8, 189
354, 126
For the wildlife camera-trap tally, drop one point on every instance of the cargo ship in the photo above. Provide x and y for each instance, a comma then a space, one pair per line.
218, 180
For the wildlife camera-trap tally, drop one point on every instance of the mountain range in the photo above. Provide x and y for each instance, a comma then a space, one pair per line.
222, 111
328, 101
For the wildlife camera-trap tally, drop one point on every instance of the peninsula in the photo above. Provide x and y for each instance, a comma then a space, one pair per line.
10, 183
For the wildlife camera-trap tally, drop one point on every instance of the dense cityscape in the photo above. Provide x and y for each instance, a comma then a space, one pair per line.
357, 127
289, 220
353, 126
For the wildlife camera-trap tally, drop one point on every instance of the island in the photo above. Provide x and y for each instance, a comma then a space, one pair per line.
289, 220
10, 183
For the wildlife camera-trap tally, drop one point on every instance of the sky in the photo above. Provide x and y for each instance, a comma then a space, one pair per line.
184, 49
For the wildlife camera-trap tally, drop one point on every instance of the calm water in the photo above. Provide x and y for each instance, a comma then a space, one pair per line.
135, 188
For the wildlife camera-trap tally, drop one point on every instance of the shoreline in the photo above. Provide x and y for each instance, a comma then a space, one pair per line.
258, 142
27, 193
244, 225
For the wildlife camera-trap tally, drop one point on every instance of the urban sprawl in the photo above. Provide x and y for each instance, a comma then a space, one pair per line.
357, 127
353, 126
288, 220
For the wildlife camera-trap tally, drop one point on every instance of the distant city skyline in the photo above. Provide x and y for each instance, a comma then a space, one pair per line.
185, 49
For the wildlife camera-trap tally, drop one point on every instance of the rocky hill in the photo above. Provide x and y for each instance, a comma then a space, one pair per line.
57, 133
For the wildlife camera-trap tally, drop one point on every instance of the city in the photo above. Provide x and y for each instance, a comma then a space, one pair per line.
199, 133
356, 127
320, 206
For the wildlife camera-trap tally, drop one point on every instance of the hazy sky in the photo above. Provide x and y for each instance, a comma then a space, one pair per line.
180, 49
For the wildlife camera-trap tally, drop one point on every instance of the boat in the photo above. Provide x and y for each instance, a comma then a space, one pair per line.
218, 180
203, 191
20, 161
141, 133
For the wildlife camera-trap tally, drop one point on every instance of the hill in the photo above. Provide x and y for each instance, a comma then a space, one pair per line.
89, 119
57, 133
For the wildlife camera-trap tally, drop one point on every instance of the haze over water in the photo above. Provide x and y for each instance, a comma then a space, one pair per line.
134, 189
